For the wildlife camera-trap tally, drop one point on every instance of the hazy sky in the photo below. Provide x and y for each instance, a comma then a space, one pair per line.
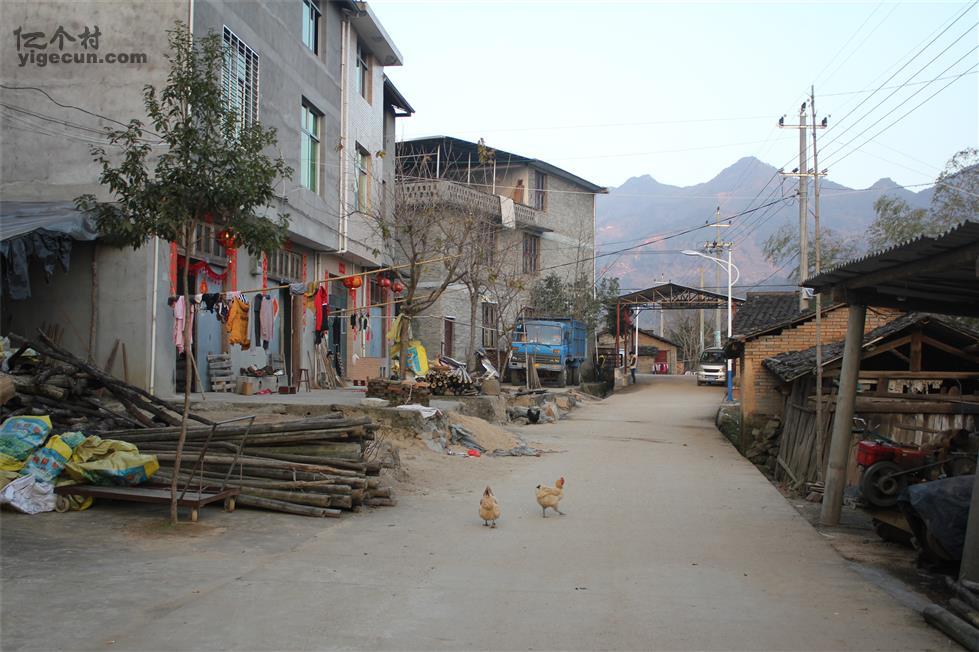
682, 90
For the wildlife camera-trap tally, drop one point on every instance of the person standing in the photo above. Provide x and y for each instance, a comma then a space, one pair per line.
633, 362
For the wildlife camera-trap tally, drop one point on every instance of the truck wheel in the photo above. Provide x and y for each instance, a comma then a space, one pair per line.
562, 377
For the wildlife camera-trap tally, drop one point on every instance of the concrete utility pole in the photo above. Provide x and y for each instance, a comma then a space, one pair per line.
701, 331
818, 263
717, 280
803, 198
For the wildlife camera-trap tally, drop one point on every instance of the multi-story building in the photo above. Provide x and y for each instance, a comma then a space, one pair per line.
313, 70
545, 223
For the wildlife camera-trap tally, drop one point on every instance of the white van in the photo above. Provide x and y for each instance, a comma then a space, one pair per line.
712, 367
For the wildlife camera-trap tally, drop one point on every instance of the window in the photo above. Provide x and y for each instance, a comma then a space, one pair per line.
531, 253
448, 336
539, 195
491, 325
311, 25
206, 245
363, 180
309, 151
285, 266
239, 79
363, 72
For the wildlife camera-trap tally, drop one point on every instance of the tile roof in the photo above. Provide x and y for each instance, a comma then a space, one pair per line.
765, 309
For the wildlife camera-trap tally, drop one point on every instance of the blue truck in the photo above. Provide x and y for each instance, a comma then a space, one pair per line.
557, 344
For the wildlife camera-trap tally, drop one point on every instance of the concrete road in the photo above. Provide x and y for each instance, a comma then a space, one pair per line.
671, 541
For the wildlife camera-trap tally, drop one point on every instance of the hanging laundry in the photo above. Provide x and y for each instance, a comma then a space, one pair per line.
210, 301
321, 303
267, 321
181, 312
237, 325
257, 303
297, 289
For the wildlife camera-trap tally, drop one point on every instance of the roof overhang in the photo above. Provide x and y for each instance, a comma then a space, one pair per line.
394, 99
370, 30
676, 297
930, 274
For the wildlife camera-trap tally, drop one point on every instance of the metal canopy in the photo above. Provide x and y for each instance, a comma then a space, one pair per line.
939, 275
670, 296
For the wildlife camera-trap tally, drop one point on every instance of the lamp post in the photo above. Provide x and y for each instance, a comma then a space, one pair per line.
727, 265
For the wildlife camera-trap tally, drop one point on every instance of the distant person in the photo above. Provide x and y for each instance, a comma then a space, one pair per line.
633, 363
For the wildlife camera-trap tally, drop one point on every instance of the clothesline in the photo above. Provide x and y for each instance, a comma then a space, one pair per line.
332, 279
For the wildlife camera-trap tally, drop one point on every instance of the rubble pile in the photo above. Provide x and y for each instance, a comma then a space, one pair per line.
399, 392
764, 451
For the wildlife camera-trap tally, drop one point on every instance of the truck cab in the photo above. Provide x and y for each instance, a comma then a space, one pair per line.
557, 346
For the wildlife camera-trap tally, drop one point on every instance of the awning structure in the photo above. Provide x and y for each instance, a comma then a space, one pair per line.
670, 296
43, 230
930, 274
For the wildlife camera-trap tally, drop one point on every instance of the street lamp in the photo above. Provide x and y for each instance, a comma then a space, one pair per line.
728, 266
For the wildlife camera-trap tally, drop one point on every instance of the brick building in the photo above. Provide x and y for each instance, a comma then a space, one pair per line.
770, 323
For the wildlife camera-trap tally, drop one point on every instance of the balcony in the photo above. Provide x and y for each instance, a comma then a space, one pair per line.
465, 197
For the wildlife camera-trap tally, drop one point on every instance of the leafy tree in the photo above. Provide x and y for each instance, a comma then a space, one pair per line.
896, 222
211, 168
552, 296
685, 331
783, 245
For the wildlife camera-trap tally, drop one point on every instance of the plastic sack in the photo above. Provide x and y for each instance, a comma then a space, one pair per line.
19, 436
46, 463
27, 495
108, 461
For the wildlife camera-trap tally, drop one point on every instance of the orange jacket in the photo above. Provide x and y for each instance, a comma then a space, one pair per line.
237, 325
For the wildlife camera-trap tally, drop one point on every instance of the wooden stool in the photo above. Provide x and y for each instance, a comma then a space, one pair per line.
303, 378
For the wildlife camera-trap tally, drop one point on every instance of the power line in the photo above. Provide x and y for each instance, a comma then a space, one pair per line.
70, 106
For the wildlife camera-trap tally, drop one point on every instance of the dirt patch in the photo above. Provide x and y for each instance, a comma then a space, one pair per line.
487, 435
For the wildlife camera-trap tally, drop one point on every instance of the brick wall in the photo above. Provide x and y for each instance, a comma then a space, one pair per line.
759, 387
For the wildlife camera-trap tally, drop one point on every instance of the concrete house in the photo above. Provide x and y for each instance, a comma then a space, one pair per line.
311, 69
657, 354
546, 219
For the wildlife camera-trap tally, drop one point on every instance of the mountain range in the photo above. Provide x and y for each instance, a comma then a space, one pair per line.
642, 208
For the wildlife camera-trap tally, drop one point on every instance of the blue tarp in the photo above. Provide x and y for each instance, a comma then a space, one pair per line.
943, 506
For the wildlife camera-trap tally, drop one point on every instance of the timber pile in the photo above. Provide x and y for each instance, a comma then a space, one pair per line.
961, 621
312, 467
48, 380
446, 380
399, 392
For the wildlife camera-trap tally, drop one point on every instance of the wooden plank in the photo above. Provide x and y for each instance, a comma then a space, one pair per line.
916, 351
948, 348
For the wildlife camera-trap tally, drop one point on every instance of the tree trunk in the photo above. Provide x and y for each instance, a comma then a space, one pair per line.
188, 351
473, 309
403, 341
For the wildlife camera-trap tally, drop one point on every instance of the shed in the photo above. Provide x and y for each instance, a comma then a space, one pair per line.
657, 354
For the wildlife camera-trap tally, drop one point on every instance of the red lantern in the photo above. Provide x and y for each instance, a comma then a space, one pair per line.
226, 238
397, 287
348, 282
384, 282
356, 282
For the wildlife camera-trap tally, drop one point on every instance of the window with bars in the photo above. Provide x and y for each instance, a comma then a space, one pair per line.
311, 25
239, 79
206, 243
538, 197
285, 266
531, 253
363, 180
309, 150
363, 72
491, 325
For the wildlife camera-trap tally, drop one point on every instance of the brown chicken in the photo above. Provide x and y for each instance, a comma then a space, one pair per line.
550, 496
489, 509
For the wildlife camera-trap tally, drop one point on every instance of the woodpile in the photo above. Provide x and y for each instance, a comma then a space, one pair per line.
961, 622
313, 467
318, 466
399, 392
48, 380
445, 380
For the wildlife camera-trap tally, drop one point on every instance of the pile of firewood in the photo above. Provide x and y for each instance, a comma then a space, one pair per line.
313, 467
445, 380
44, 379
399, 392
961, 620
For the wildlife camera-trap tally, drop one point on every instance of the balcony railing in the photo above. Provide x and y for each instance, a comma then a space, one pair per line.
468, 198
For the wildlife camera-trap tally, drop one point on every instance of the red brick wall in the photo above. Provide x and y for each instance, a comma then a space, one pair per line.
759, 387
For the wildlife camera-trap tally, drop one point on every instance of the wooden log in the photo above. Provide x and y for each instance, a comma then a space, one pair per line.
326, 485
298, 497
344, 450
261, 462
957, 629
381, 502
963, 593
337, 422
963, 611
247, 500
27, 385
307, 459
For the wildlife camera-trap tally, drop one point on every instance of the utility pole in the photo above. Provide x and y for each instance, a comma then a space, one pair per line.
818, 263
803, 199
717, 280
701, 331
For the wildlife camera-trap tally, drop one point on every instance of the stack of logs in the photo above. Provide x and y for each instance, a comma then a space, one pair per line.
312, 467
48, 380
446, 380
399, 392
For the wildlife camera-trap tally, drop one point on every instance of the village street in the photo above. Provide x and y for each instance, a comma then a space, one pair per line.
671, 541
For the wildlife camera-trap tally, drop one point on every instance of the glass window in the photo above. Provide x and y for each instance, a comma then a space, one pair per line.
309, 154
490, 325
311, 25
713, 357
540, 334
363, 179
239, 79
363, 72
